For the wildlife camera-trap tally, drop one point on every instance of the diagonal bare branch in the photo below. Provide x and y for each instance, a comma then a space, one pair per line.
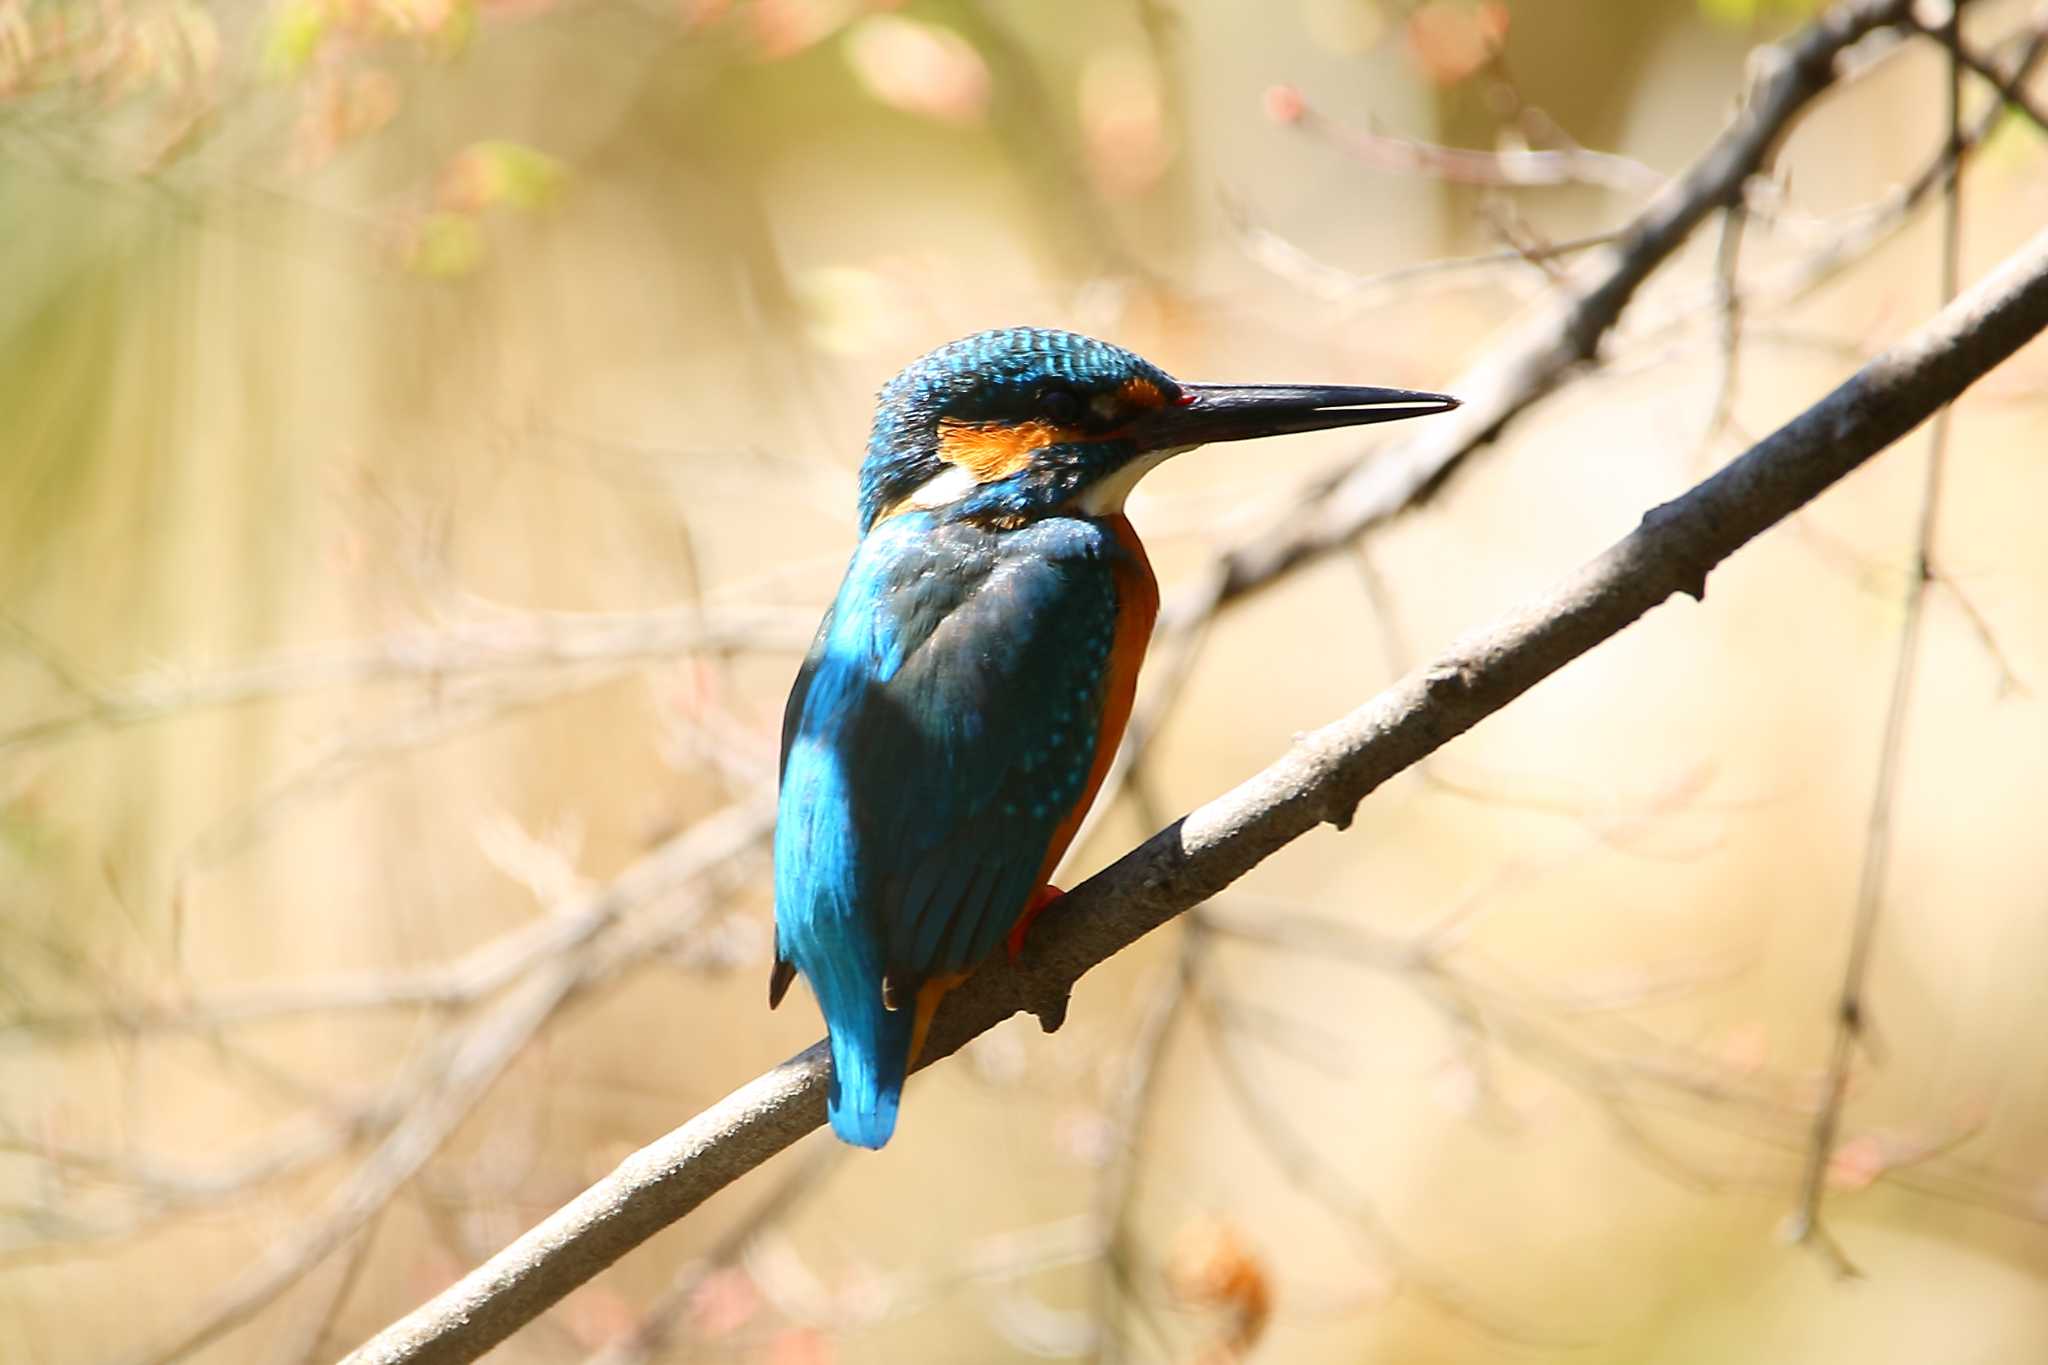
1543, 354
1320, 780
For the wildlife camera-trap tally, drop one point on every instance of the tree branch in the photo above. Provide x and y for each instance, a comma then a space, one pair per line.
1851, 1014
2011, 92
1320, 780
1516, 169
1539, 357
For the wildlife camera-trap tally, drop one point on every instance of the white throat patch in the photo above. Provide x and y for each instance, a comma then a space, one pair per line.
1102, 499
945, 488
1106, 497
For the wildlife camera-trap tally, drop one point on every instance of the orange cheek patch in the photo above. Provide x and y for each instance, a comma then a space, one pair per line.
996, 450
1140, 393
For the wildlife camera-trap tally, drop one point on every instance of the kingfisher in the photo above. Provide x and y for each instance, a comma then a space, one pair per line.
958, 710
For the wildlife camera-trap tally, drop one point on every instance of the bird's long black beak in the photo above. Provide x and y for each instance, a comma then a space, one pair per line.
1238, 412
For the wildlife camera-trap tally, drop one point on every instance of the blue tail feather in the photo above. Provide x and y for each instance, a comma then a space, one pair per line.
870, 1054
870, 1044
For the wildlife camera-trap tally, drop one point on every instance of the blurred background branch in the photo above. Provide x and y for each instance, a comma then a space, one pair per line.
429, 442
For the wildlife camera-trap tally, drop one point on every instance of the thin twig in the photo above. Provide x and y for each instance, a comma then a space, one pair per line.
1312, 1173
1116, 1193
1853, 236
731, 833
2012, 92
1851, 1007
471, 1066
539, 640
2009, 679
1288, 261
445, 1086
1728, 307
1514, 169
1332, 512
316, 1328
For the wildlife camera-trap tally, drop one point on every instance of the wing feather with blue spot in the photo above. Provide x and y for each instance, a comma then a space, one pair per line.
1005, 696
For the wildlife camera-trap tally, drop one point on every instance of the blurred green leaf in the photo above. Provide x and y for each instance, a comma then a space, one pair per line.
448, 246
26, 836
453, 37
844, 307
295, 33
494, 173
2015, 138
1739, 13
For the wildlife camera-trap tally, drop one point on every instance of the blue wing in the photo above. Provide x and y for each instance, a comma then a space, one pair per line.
942, 727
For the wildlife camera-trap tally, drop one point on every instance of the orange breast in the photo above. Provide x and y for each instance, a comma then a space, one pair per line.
1137, 607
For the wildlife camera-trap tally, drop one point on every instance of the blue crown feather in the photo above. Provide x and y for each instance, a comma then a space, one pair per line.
979, 377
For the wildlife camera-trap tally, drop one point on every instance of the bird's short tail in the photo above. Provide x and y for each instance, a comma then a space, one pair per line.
870, 1054
870, 1042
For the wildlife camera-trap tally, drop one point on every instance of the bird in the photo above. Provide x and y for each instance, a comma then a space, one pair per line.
960, 704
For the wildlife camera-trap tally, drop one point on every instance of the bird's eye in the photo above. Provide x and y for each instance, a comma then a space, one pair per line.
1061, 406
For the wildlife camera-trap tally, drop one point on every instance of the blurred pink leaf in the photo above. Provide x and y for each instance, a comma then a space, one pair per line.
336, 108
373, 100
301, 32
725, 1301
1451, 39
1284, 104
1858, 1163
432, 1270
498, 173
450, 19
919, 68
597, 1316
783, 28
799, 1346
1746, 1049
701, 14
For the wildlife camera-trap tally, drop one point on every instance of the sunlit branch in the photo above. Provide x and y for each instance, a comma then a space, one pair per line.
1319, 781
1541, 354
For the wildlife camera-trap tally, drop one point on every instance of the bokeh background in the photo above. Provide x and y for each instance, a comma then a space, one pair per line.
427, 432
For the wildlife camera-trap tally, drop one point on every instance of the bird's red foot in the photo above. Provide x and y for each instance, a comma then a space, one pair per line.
1042, 897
